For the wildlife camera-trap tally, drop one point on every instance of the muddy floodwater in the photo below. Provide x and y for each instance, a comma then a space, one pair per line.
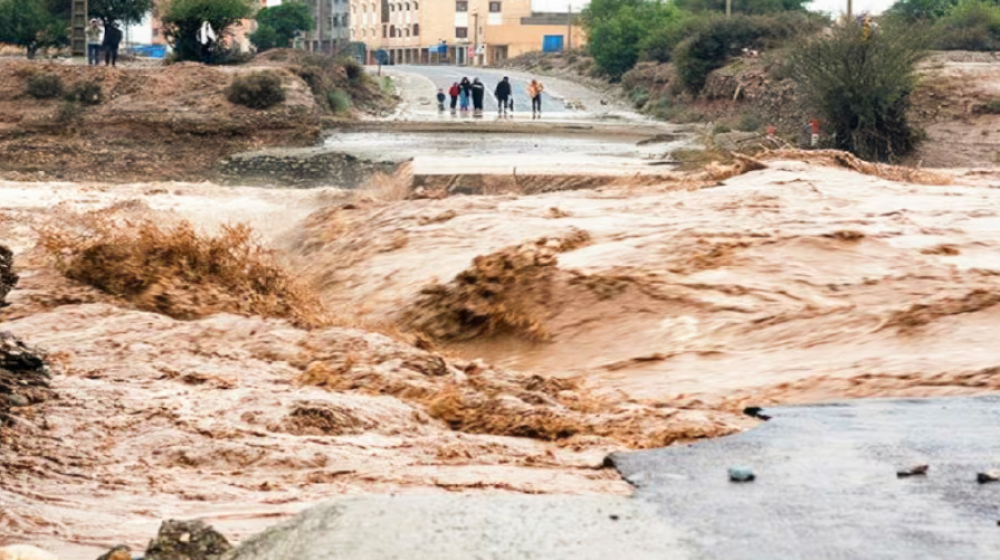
487, 343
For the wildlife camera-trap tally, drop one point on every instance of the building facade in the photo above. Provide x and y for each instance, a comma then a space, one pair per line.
473, 32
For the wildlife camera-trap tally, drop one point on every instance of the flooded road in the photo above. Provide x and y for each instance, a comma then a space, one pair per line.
632, 315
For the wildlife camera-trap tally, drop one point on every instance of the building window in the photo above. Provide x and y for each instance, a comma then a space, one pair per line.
385, 31
407, 32
494, 7
416, 6
407, 6
416, 29
364, 33
392, 31
461, 32
461, 6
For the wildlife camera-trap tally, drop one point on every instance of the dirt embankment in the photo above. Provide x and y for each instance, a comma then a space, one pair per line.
162, 122
955, 101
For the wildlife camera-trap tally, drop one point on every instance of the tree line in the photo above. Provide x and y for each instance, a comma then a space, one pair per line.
36, 24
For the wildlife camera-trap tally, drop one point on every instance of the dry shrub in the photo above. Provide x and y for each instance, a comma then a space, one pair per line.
921, 314
503, 292
176, 270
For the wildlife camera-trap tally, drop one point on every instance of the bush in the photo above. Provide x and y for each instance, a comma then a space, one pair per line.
355, 72
88, 93
68, 112
972, 25
617, 29
992, 107
721, 38
639, 97
45, 86
749, 122
339, 100
257, 91
861, 87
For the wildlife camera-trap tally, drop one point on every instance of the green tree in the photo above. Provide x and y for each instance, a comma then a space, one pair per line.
920, 10
278, 25
860, 84
123, 12
970, 25
26, 23
749, 7
618, 29
182, 19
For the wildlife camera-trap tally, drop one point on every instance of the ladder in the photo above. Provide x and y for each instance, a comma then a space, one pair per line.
78, 37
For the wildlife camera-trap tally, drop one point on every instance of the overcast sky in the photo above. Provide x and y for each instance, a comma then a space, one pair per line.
835, 6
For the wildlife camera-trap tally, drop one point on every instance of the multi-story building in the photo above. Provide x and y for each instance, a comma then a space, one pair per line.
333, 22
471, 31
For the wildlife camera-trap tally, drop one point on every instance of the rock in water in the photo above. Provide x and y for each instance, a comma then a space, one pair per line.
187, 540
7, 277
24, 379
120, 552
741, 474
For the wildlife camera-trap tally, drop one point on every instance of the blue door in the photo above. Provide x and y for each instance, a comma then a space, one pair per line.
552, 43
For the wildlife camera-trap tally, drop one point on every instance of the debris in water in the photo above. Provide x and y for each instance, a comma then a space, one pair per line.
988, 476
187, 540
741, 474
756, 412
918, 470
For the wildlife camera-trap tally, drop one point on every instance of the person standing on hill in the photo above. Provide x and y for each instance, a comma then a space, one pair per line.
112, 38
206, 38
503, 93
535, 89
453, 93
478, 92
95, 36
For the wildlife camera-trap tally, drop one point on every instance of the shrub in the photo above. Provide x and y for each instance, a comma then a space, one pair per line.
45, 86
991, 107
721, 38
861, 87
721, 128
257, 91
972, 25
617, 29
639, 97
339, 100
88, 93
749, 122
176, 270
68, 112
355, 72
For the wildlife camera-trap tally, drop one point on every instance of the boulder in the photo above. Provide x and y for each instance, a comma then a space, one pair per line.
7, 277
187, 540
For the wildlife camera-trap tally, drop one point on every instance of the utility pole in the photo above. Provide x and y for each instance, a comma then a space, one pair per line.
319, 25
475, 41
849, 14
729, 7
79, 28
569, 27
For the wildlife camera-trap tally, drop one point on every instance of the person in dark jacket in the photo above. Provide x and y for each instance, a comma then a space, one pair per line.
453, 92
112, 38
478, 92
440, 98
466, 91
503, 93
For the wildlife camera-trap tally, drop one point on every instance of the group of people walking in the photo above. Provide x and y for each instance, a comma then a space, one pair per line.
103, 39
466, 93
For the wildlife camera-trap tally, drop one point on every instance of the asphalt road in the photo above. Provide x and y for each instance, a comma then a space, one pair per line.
444, 76
826, 485
826, 489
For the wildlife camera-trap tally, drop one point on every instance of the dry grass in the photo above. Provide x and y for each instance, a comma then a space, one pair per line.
176, 270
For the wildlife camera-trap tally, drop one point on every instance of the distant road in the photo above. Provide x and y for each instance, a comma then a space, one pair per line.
444, 76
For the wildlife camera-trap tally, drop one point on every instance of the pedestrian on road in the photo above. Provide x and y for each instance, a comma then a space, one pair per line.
95, 36
441, 98
503, 93
535, 89
466, 87
206, 38
112, 38
454, 92
478, 92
